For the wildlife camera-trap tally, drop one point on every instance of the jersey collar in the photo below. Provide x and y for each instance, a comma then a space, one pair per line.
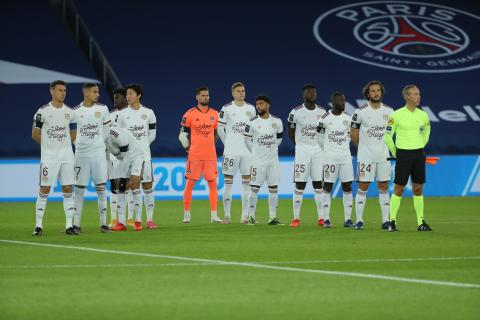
198, 108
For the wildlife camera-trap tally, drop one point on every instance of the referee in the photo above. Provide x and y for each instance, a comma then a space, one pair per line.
411, 128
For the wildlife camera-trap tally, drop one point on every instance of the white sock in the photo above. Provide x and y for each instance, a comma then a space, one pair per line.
360, 201
347, 205
149, 199
137, 204
252, 202
186, 215
77, 214
121, 203
245, 196
227, 197
273, 202
131, 204
213, 214
69, 207
113, 206
102, 204
317, 193
40, 209
326, 200
384, 200
297, 203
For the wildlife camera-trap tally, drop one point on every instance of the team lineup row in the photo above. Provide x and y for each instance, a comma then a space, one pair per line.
251, 136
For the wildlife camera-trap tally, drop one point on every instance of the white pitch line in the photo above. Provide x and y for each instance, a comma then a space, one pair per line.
255, 265
370, 260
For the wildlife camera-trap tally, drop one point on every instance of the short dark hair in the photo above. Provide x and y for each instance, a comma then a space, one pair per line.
120, 90
135, 87
336, 94
236, 85
89, 85
263, 97
57, 82
308, 86
200, 89
366, 88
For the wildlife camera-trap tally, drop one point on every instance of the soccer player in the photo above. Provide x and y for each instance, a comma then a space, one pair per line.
140, 122
302, 131
54, 129
411, 127
231, 125
334, 129
367, 131
131, 154
198, 135
119, 103
263, 135
93, 122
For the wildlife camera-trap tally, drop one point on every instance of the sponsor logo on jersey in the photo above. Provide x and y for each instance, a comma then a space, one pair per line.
90, 131
57, 133
402, 35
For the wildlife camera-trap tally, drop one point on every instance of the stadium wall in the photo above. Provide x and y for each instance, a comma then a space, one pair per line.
453, 175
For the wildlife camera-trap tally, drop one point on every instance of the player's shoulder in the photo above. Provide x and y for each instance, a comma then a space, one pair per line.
297, 108
253, 118
43, 108
226, 106
78, 106
325, 115
190, 111
101, 105
321, 108
387, 106
362, 108
68, 107
345, 114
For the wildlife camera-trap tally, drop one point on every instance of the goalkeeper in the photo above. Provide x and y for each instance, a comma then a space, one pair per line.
411, 128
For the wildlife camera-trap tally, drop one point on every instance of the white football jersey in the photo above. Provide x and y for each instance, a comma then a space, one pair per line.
336, 139
234, 118
90, 129
120, 140
371, 124
138, 123
265, 134
56, 144
306, 122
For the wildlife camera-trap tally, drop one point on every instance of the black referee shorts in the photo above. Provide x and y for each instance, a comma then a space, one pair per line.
410, 163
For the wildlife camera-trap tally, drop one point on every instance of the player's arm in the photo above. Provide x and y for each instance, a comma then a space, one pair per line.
215, 135
426, 131
37, 127
152, 128
388, 137
279, 132
321, 134
222, 122
247, 134
355, 129
106, 123
291, 126
184, 135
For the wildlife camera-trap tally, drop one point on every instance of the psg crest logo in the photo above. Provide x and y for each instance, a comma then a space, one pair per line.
402, 35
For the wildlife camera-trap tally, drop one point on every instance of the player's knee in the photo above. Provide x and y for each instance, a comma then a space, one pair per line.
255, 189
122, 185
383, 185
100, 187
67, 189
113, 186
347, 186
364, 186
45, 189
147, 185
273, 189
417, 189
317, 185
327, 186
300, 185
398, 190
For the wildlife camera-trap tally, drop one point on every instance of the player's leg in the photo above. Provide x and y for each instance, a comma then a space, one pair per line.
365, 176
121, 204
67, 180
384, 174
346, 177
82, 178
229, 168
45, 184
192, 173
301, 173
317, 177
134, 186
418, 180
210, 172
273, 180
403, 169
113, 202
245, 167
258, 177
330, 175
149, 198
130, 208
99, 177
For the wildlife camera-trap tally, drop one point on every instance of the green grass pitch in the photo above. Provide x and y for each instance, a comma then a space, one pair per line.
206, 271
